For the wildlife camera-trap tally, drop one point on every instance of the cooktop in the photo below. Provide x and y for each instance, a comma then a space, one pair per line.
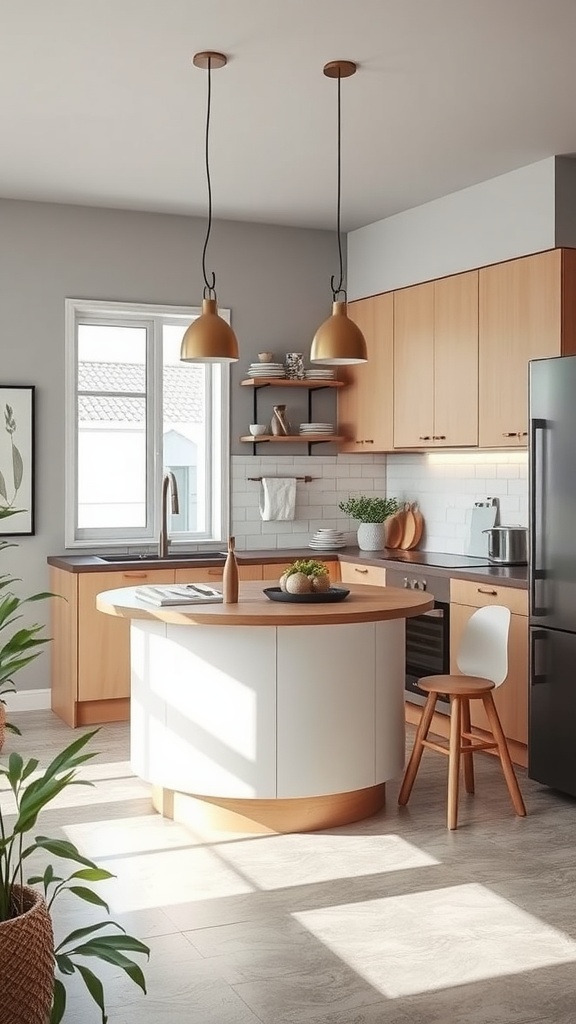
437, 558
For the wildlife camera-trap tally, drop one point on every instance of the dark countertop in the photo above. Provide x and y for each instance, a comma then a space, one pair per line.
506, 576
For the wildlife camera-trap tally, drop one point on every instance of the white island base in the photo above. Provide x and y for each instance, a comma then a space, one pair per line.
268, 728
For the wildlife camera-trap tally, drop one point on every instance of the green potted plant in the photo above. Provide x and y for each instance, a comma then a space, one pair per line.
371, 513
22, 644
29, 991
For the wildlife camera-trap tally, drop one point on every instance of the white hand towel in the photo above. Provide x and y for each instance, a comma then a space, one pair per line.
278, 497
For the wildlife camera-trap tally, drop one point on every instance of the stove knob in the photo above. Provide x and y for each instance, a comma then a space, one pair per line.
424, 585
406, 584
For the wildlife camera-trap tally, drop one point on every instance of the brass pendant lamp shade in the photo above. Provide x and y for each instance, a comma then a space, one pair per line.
338, 341
209, 339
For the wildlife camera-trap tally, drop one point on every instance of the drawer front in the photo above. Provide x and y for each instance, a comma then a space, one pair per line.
351, 572
479, 595
215, 573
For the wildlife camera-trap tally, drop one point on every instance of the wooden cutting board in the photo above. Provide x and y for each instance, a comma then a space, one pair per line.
419, 526
394, 530
409, 527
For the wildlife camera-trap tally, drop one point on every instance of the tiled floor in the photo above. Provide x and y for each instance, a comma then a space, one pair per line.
390, 921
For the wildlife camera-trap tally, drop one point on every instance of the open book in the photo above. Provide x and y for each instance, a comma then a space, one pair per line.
179, 593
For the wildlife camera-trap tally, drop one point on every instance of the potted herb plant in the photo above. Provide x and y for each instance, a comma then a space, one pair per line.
371, 513
22, 645
29, 991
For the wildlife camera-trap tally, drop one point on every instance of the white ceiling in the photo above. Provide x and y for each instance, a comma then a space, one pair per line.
100, 104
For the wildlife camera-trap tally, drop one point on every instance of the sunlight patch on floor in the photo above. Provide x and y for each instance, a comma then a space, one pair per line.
427, 941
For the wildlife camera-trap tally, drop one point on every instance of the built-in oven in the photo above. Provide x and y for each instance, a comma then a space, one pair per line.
427, 635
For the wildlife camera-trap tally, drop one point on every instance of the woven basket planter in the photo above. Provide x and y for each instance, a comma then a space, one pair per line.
27, 963
2, 724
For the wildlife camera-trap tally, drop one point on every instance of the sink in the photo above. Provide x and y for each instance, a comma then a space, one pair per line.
187, 556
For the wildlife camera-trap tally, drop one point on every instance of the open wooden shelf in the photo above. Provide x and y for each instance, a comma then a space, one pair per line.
285, 382
294, 438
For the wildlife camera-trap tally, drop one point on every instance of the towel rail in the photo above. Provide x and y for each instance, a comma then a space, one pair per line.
305, 479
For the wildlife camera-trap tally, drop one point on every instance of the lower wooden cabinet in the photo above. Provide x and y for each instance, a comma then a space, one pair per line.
90, 652
352, 572
511, 698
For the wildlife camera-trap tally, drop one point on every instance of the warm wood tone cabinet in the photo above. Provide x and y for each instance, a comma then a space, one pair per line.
91, 651
526, 311
436, 363
511, 698
414, 367
352, 572
365, 409
456, 361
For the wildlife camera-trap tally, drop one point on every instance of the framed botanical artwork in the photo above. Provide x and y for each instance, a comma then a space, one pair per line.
16, 460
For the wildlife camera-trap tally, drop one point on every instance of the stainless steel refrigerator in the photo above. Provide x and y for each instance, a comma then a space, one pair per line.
552, 573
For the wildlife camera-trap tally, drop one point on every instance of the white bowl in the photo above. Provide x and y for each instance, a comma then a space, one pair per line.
258, 428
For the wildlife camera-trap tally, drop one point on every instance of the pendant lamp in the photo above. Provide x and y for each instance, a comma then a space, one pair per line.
209, 339
338, 341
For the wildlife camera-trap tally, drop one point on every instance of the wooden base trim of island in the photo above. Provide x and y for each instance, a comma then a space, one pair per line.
307, 814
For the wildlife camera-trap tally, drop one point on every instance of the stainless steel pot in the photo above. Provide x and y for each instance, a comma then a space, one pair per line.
508, 545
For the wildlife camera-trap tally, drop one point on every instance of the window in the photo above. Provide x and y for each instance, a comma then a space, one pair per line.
133, 411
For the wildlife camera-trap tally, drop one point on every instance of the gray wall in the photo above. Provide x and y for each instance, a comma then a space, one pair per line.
275, 280
508, 216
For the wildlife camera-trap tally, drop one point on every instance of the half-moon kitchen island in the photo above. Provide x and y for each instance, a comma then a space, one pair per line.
268, 717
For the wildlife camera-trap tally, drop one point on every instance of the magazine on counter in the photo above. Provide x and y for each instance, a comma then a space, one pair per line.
179, 593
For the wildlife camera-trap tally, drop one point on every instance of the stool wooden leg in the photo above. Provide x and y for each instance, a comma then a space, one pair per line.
454, 761
468, 758
507, 768
417, 749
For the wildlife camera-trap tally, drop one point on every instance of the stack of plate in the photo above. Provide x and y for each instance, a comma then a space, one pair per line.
327, 540
318, 373
266, 370
317, 428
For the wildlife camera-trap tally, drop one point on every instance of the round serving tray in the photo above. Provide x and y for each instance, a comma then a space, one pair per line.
332, 595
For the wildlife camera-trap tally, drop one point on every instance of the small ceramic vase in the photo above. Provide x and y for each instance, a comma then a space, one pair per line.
372, 536
279, 424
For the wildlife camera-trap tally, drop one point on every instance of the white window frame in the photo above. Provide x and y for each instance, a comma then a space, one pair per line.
152, 316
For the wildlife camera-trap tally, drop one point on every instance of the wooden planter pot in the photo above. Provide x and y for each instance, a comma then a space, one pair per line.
27, 962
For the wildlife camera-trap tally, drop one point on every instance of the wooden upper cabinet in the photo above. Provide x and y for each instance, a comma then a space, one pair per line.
414, 366
365, 408
456, 360
520, 319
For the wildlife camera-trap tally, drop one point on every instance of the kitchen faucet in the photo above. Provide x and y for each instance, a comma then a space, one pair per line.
168, 481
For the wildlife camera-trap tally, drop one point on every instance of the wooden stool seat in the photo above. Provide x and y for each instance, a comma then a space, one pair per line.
464, 686
484, 648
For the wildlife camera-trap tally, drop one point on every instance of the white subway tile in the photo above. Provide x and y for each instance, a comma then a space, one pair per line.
259, 542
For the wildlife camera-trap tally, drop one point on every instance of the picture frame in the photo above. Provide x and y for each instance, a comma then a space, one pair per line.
17, 460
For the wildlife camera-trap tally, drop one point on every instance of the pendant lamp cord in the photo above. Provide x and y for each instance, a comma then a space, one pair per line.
339, 290
209, 286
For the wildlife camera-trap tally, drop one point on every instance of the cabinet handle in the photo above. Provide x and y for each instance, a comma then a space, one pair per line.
424, 437
358, 442
439, 437
492, 593
510, 433
524, 433
369, 440
360, 570
135, 575
215, 572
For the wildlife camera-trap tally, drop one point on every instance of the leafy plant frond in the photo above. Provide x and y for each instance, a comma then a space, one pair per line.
369, 509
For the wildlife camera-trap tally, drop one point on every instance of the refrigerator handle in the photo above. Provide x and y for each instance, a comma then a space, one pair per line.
536, 575
537, 637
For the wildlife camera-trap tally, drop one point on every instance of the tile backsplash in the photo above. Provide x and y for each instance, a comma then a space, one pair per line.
334, 478
446, 485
